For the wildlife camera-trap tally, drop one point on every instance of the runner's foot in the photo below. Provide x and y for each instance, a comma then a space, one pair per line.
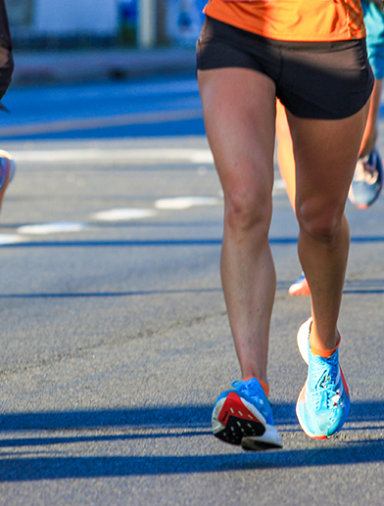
367, 181
243, 416
300, 286
323, 403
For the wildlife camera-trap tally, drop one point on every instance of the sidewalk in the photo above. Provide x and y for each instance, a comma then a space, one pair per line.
78, 66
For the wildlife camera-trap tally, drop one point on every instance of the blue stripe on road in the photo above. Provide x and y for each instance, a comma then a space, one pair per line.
156, 129
159, 243
32, 108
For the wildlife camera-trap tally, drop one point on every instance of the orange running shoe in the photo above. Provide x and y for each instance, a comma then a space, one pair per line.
300, 286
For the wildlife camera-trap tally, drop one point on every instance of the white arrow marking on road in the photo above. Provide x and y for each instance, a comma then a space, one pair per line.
123, 214
51, 228
105, 156
186, 202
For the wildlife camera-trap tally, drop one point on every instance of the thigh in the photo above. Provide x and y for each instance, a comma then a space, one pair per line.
239, 116
285, 158
326, 152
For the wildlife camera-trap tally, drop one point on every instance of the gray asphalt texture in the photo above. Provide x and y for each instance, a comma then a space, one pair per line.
115, 345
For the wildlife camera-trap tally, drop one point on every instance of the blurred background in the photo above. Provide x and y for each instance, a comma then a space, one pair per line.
78, 59
58, 24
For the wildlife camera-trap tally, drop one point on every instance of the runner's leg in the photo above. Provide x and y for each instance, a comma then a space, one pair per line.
370, 132
239, 115
285, 157
325, 152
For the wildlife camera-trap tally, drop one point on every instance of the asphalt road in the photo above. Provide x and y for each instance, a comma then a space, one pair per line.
115, 342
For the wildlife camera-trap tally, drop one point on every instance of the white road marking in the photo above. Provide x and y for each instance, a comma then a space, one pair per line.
123, 214
279, 184
278, 187
105, 156
202, 171
10, 238
186, 202
51, 228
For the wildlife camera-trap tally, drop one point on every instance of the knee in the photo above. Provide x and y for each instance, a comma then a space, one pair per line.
321, 222
247, 209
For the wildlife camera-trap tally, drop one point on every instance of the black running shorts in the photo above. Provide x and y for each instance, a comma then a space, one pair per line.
318, 80
6, 59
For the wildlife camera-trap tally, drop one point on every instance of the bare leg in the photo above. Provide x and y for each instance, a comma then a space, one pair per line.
239, 115
285, 157
325, 154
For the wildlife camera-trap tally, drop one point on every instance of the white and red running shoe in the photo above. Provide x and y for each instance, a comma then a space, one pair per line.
243, 416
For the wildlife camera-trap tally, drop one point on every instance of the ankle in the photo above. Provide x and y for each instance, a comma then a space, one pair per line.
324, 349
264, 384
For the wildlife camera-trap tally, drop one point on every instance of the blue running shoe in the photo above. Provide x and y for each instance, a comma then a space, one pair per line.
7, 171
367, 181
243, 416
323, 403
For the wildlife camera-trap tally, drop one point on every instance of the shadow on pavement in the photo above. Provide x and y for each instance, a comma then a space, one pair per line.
188, 417
105, 294
190, 420
177, 417
46, 468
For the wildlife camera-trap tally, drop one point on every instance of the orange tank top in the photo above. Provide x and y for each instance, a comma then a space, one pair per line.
293, 20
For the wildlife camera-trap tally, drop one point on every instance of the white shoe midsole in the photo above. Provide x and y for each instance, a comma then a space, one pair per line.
302, 339
270, 436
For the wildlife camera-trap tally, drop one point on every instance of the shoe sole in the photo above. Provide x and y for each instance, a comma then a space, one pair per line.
302, 339
361, 207
234, 418
270, 440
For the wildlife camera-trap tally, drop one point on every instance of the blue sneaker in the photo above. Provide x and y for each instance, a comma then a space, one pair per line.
243, 416
323, 403
7, 172
367, 181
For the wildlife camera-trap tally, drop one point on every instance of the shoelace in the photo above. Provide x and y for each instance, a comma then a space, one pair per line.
325, 372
